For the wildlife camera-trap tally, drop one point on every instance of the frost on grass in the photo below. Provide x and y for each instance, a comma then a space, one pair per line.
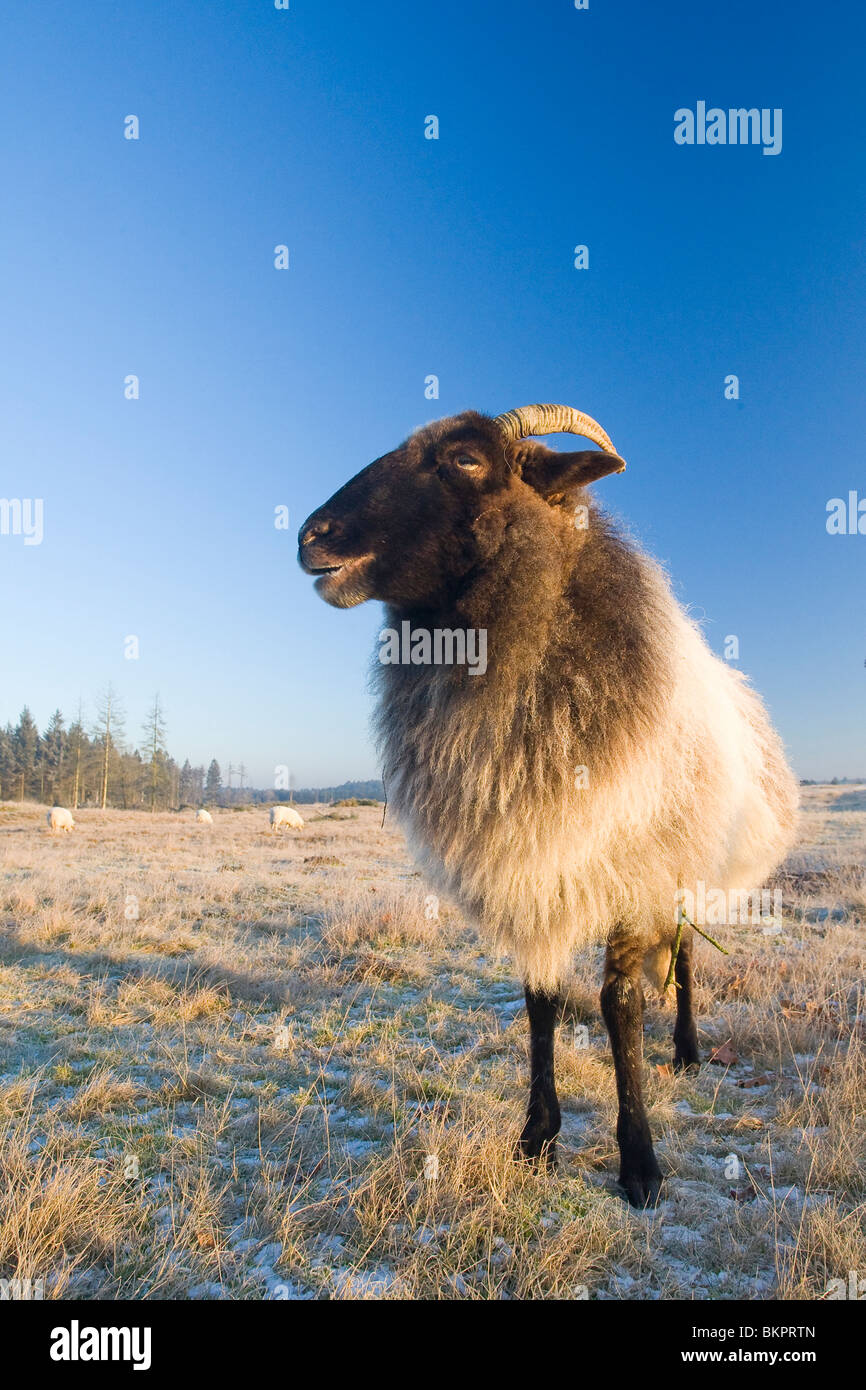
288, 1078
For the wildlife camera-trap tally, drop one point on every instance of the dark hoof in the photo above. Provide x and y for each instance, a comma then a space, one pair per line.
536, 1147
686, 1055
642, 1188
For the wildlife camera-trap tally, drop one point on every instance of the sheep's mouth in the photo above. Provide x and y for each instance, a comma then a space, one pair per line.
346, 584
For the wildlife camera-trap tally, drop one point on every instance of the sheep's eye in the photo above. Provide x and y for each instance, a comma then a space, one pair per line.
466, 461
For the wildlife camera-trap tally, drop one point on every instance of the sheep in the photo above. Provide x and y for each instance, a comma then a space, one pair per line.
285, 818
203, 817
632, 759
59, 818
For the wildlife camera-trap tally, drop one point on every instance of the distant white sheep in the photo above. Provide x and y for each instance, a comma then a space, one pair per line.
59, 818
283, 817
204, 817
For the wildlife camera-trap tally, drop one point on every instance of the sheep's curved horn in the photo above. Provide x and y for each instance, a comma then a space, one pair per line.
552, 419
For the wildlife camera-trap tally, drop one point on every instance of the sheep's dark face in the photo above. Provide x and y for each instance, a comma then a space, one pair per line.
402, 529
406, 529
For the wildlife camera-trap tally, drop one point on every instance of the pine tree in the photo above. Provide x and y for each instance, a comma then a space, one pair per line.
172, 775
53, 750
25, 742
7, 762
213, 783
185, 785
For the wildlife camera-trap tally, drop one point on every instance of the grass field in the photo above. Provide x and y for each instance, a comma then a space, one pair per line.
238, 1065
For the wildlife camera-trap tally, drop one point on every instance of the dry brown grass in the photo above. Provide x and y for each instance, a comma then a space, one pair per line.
240, 1065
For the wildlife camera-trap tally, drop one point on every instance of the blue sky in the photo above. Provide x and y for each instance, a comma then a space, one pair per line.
409, 257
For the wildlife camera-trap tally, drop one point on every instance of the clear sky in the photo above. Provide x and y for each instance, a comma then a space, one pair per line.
408, 256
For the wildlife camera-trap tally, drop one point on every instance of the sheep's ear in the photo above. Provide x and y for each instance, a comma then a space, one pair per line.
554, 475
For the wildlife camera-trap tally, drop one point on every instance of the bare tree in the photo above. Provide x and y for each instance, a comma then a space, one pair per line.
76, 745
155, 744
108, 732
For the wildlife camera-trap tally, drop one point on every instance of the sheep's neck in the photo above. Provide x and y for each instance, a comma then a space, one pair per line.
575, 660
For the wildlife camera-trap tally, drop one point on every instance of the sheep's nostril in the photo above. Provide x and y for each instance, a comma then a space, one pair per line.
316, 531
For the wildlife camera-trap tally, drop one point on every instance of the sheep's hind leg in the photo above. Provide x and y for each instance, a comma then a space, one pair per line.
622, 1006
538, 1140
685, 1031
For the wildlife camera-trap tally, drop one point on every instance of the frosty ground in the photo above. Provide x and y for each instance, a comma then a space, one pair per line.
240, 1065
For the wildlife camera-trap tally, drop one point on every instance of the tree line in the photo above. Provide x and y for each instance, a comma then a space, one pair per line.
91, 763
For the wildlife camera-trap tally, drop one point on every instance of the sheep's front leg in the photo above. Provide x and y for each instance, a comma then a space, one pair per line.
538, 1139
685, 1030
622, 1007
